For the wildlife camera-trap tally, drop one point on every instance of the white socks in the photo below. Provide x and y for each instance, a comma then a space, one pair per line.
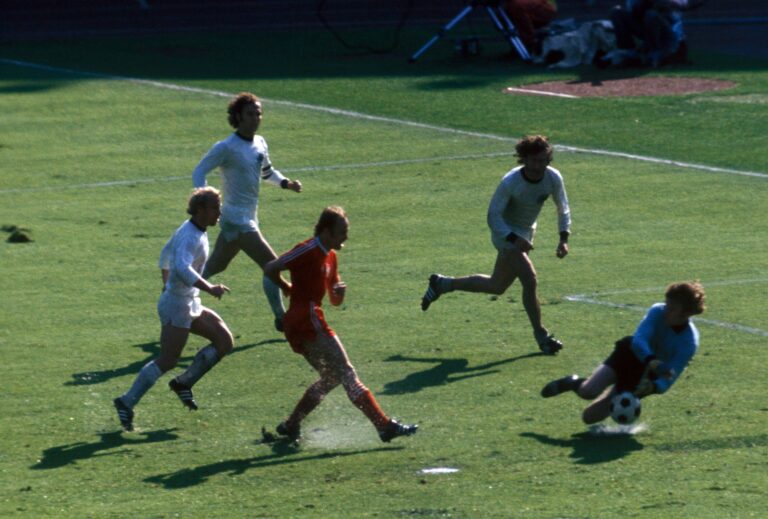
205, 359
144, 381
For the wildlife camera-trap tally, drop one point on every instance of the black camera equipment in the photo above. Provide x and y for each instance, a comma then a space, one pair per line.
499, 19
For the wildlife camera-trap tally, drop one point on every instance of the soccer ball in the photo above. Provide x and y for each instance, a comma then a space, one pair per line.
625, 408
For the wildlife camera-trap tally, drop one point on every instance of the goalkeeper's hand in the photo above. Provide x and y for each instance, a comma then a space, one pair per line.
659, 369
644, 388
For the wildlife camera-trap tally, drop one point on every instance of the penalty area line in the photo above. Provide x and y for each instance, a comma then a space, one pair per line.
388, 120
581, 298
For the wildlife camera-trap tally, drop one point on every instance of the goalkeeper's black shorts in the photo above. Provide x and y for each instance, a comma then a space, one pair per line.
629, 369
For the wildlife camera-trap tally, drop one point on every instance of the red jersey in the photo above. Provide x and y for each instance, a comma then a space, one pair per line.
313, 273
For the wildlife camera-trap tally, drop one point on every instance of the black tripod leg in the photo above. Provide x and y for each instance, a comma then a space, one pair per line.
464, 12
509, 30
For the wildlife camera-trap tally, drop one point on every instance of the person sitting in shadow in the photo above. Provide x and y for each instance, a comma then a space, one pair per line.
650, 33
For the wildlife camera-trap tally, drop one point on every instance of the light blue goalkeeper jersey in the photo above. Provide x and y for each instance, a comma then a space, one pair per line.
654, 337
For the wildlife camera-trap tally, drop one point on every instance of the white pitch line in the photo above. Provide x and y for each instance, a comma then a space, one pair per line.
539, 92
336, 167
390, 120
582, 298
660, 289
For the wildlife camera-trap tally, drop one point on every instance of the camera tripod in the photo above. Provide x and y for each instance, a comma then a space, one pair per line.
500, 20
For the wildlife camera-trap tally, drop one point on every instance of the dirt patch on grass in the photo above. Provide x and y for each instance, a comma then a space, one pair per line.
627, 87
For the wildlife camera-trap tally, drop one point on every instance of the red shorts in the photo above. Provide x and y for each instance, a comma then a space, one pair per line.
302, 323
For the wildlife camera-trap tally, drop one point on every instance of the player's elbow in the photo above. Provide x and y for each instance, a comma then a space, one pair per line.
272, 268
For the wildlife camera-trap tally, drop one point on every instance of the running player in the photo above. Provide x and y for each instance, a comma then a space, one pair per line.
180, 311
314, 272
512, 215
244, 161
648, 362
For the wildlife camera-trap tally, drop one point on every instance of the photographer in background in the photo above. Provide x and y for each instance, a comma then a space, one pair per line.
529, 16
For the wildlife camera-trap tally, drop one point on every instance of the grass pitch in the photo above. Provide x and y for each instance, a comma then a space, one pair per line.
99, 170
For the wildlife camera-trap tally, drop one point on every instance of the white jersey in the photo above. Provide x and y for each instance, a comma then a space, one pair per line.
243, 165
517, 202
184, 256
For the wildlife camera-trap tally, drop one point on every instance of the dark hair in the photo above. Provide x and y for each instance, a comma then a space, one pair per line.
689, 294
533, 145
329, 217
202, 197
237, 104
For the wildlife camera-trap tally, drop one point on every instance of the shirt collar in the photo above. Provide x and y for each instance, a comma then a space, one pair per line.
246, 139
320, 244
201, 229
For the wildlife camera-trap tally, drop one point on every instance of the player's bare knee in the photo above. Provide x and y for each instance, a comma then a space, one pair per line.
498, 286
166, 362
330, 380
588, 392
349, 376
224, 342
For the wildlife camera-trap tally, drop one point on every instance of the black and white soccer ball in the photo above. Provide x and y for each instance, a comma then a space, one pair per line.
625, 408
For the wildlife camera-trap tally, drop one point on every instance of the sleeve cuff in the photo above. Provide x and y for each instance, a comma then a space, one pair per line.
284, 183
564, 236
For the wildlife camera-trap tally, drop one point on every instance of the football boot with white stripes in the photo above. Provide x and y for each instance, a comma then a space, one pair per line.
433, 291
550, 345
547, 342
394, 429
184, 393
124, 413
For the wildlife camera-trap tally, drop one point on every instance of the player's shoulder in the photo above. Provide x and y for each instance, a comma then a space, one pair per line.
554, 173
309, 246
513, 174
226, 143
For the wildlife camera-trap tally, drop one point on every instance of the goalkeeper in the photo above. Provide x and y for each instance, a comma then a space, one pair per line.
648, 362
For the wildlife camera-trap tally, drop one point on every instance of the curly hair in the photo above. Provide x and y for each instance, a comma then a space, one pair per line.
236, 106
201, 197
533, 145
329, 217
690, 294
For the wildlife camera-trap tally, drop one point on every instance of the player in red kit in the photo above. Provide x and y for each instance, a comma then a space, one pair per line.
314, 272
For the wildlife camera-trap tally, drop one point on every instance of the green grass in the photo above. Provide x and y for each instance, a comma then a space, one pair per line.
78, 317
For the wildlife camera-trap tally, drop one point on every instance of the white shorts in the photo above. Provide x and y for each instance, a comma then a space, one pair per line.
234, 222
178, 311
501, 243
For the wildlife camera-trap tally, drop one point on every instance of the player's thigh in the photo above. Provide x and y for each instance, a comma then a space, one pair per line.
327, 355
505, 271
172, 342
223, 251
212, 327
603, 377
257, 248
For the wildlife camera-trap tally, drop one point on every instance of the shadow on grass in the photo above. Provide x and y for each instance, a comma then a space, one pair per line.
282, 454
732, 442
589, 449
152, 349
63, 455
445, 372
